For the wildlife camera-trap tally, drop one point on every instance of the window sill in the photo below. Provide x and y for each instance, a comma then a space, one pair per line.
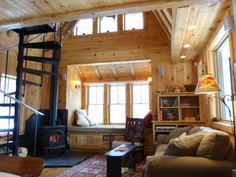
224, 126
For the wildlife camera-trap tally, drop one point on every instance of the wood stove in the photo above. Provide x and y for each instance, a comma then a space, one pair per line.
48, 137
52, 137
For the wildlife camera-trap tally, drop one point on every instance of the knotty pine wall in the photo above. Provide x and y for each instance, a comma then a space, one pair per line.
32, 94
149, 43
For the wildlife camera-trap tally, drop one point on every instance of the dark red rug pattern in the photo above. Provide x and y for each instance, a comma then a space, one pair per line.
96, 167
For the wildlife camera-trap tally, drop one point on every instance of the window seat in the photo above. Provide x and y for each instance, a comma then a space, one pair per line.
93, 138
98, 128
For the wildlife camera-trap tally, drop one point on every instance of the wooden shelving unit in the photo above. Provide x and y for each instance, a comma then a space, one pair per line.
176, 110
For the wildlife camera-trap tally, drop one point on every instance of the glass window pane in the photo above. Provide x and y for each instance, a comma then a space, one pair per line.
92, 95
100, 93
114, 94
140, 110
122, 94
96, 113
4, 123
145, 93
133, 21
108, 24
136, 94
83, 26
117, 114
224, 78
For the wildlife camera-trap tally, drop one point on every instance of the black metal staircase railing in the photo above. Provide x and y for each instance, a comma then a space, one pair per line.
23, 68
7, 143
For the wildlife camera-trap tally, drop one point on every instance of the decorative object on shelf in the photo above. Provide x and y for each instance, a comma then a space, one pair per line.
190, 87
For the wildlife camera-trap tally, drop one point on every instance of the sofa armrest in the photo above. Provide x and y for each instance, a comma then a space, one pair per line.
186, 166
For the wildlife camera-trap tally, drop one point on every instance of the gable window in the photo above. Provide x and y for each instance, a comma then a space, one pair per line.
223, 75
117, 104
8, 84
95, 103
133, 21
83, 27
140, 100
107, 24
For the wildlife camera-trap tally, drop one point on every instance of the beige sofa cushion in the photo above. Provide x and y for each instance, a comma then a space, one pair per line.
176, 133
184, 145
81, 119
214, 145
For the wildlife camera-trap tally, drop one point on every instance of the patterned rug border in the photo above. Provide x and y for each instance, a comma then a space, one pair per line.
95, 166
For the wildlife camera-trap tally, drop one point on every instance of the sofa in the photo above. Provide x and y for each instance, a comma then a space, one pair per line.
192, 152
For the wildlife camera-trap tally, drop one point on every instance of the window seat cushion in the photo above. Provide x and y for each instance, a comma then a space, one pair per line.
98, 128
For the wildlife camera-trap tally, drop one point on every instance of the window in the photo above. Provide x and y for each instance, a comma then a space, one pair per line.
108, 24
140, 100
117, 104
8, 84
83, 27
223, 75
95, 103
133, 21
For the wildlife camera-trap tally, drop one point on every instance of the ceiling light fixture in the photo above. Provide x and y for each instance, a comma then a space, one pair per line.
182, 56
186, 45
191, 27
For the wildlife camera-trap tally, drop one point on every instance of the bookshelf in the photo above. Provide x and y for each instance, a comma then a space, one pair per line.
175, 110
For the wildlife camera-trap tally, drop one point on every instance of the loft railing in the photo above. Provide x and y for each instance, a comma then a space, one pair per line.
15, 128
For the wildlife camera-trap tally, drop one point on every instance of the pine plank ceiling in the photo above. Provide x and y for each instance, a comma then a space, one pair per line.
175, 16
118, 71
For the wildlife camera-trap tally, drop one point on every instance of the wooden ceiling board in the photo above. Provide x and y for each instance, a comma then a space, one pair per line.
16, 14
205, 27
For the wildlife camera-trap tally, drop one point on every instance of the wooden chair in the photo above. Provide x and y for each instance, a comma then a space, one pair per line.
134, 133
22, 166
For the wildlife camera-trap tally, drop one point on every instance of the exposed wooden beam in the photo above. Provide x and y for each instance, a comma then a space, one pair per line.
180, 17
162, 25
132, 70
168, 15
81, 74
97, 72
164, 20
101, 11
113, 68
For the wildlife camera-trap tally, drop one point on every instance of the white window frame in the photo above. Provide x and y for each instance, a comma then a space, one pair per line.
101, 23
141, 100
118, 102
126, 28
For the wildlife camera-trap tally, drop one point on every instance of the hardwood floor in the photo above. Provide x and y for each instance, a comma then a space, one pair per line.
52, 172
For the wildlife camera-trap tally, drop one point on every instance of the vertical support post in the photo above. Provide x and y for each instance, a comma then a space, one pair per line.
54, 88
18, 94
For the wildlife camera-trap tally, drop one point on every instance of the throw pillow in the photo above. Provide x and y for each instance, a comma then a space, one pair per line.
214, 145
148, 119
80, 119
91, 122
176, 133
184, 145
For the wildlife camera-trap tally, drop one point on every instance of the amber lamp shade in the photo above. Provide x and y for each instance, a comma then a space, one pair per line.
207, 84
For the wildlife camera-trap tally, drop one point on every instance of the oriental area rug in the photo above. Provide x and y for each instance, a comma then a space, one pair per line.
96, 167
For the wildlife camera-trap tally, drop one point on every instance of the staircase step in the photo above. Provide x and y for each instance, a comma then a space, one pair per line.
6, 117
40, 59
36, 72
43, 45
31, 83
36, 29
6, 104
